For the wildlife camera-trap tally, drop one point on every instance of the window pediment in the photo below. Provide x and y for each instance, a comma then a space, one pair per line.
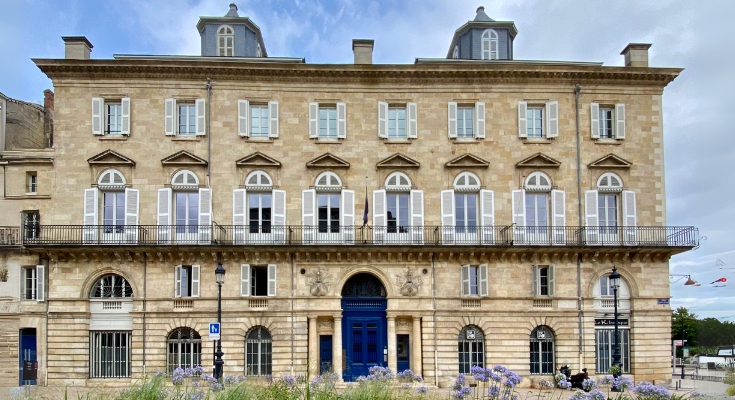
258, 159
467, 161
611, 161
327, 160
398, 160
183, 157
538, 160
110, 157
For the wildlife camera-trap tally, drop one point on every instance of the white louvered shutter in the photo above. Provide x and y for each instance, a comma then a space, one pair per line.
480, 120
448, 219
465, 280
518, 200
412, 117
201, 112
125, 116
348, 216
536, 271
243, 118
98, 115
487, 216
522, 119
559, 217
164, 216
313, 120
194, 290
308, 216
382, 119
619, 121
177, 281
90, 215
379, 219
482, 284
417, 216
273, 119
132, 205
452, 119
239, 211
552, 119
245, 280
552, 290
271, 280
40, 283
594, 120
629, 217
279, 216
205, 216
592, 224
341, 120
170, 117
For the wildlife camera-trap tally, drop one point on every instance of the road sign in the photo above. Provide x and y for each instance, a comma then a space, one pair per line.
679, 343
214, 331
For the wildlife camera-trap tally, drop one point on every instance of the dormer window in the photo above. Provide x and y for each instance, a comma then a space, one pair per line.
225, 41
489, 44
258, 51
455, 52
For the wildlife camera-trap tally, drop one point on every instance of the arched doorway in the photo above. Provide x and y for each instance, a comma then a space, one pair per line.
364, 327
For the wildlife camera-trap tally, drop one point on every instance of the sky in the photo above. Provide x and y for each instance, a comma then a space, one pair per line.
695, 35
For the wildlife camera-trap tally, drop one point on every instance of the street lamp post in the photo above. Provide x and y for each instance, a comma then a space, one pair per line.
219, 273
614, 285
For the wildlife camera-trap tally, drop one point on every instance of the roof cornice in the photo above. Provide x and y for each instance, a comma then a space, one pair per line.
451, 72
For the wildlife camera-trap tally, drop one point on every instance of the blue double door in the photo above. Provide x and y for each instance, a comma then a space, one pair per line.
365, 339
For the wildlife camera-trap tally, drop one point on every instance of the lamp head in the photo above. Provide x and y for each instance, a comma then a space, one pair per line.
219, 273
614, 278
691, 282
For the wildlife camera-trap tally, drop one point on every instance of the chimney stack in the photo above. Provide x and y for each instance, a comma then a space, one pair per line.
76, 47
636, 54
363, 49
48, 99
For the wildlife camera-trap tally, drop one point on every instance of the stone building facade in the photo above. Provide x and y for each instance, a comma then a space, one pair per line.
430, 216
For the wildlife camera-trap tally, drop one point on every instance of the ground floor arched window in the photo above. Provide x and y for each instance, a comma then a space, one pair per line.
258, 352
542, 351
471, 348
184, 349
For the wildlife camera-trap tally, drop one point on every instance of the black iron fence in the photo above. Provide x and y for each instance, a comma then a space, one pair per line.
232, 235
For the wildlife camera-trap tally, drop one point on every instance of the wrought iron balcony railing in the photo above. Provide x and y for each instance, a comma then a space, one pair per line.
9, 236
248, 235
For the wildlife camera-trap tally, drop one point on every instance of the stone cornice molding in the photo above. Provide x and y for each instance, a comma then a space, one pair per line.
253, 71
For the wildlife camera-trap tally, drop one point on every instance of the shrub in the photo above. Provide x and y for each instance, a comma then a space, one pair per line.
731, 390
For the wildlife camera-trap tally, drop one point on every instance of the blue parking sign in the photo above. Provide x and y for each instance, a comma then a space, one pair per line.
214, 331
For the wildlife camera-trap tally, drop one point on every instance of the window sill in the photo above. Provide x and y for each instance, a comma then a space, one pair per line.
113, 137
397, 141
536, 141
28, 196
609, 142
259, 139
186, 139
466, 140
328, 141
32, 194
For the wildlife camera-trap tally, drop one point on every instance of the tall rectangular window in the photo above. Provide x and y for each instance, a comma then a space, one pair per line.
258, 280
186, 280
535, 122
29, 283
31, 182
397, 213
465, 212
543, 281
607, 212
607, 125
187, 119
465, 122
327, 122
113, 211
397, 122
328, 209
113, 118
604, 346
260, 212
109, 354
259, 120
31, 224
187, 212
474, 284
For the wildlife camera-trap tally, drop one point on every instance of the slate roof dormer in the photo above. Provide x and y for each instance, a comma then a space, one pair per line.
230, 36
483, 38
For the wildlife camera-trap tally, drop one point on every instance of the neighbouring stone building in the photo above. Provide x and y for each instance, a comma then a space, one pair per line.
437, 215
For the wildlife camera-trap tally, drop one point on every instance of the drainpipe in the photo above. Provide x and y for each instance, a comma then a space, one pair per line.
433, 302
580, 312
209, 133
145, 297
290, 258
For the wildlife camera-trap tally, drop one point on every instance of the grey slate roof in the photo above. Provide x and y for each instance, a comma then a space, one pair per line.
232, 13
481, 16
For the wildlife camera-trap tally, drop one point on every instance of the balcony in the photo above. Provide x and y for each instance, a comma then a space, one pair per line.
9, 236
290, 235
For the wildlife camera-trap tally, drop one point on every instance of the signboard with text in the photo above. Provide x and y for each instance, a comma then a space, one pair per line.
610, 322
214, 331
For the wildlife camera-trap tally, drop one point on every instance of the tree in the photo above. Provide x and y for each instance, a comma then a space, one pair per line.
684, 326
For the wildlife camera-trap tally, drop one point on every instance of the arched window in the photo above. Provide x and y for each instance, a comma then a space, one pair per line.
610, 182
258, 352
328, 181
489, 44
471, 349
538, 182
455, 52
609, 187
259, 202
542, 351
397, 199
186, 205
258, 180
466, 209
112, 184
111, 179
398, 182
328, 202
184, 349
605, 333
111, 286
184, 180
258, 51
466, 182
225, 41
537, 186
